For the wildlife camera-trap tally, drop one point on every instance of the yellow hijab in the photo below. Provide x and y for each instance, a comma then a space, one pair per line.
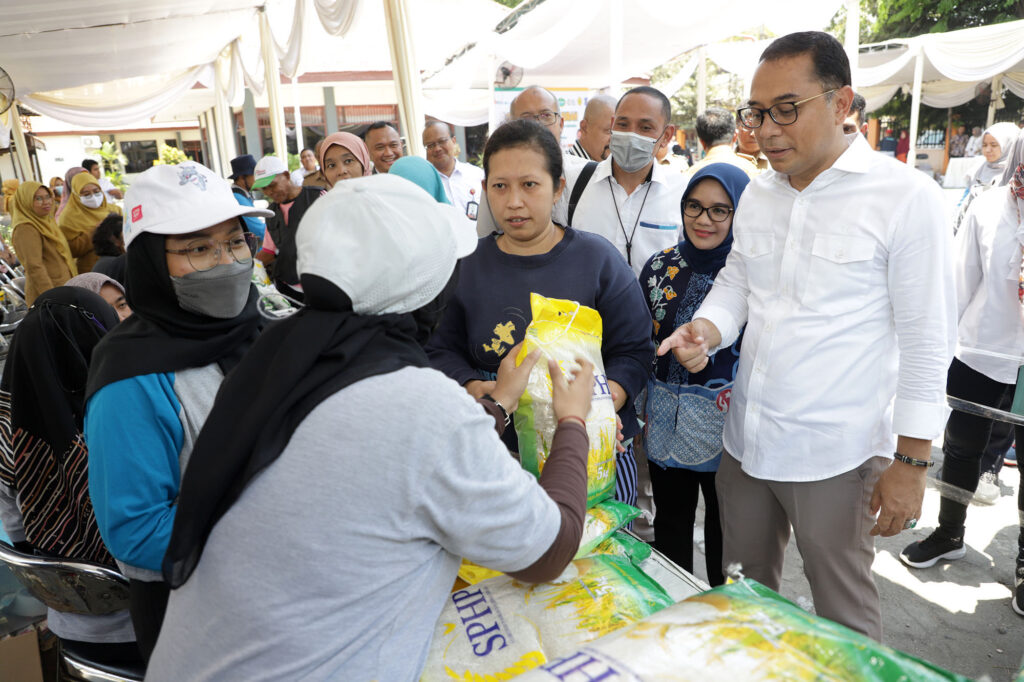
22, 214
77, 217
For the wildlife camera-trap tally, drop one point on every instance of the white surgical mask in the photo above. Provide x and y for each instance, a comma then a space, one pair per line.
58, 190
93, 200
631, 151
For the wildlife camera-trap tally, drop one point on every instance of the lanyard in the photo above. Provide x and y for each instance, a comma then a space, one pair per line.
629, 237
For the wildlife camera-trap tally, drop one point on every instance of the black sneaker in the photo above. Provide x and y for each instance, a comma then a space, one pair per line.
1018, 593
926, 553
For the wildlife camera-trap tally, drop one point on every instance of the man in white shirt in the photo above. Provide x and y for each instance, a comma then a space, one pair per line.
462, 181
540, 105
841, 272
630, 200
716, 130
308, 166
93, 168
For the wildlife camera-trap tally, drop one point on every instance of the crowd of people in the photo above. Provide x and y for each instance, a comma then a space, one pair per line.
782, 322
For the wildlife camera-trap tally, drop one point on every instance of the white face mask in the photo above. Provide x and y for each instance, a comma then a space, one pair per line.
632, 151
93, 200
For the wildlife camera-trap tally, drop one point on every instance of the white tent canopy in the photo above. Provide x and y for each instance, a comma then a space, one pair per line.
561, 43
118, 62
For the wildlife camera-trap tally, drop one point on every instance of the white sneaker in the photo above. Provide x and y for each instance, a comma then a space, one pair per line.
988, 489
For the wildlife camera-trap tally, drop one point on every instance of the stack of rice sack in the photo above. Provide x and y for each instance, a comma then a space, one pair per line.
739, 631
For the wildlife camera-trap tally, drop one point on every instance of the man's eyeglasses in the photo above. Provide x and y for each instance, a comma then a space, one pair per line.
783, 113
437, 143
693, 209
204, 254
544, 117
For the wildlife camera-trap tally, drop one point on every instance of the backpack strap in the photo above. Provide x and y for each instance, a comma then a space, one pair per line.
577, 189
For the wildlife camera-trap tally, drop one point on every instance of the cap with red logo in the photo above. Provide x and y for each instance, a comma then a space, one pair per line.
268, 168
179, 199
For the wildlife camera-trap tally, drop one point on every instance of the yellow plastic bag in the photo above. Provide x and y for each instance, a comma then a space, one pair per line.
565, 330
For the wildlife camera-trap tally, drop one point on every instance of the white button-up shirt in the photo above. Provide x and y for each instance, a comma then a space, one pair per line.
649, 219
463, 185
988, 255
847, 292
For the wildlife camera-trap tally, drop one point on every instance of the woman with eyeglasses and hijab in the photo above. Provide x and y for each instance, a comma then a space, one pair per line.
683, 412
86, 208
44, 482
40, 244
154, 378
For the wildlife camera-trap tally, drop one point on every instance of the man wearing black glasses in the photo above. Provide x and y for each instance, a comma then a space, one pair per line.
840, 270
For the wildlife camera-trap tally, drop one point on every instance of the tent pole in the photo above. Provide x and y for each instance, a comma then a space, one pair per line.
273, 79
702, 79
492, 105
852, 40
405, 72
222, 111
915, 106
997, 85
21, 144
615, 22
300, 140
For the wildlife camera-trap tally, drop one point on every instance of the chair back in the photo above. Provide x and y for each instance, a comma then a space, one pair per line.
68, 585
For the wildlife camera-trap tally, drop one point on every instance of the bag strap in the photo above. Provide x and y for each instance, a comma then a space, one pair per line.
577, 189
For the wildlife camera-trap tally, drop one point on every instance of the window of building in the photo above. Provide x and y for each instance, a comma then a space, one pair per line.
139, 155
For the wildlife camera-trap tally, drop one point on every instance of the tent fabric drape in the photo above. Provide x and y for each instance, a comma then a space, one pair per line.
336, 16
115, 103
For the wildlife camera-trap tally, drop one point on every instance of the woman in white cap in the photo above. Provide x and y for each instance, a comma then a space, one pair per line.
153, 379
319, 530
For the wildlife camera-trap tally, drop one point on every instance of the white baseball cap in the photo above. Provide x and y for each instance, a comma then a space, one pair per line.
268, 168
383, 241
178, 199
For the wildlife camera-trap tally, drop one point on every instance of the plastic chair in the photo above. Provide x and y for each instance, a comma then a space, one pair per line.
74, 587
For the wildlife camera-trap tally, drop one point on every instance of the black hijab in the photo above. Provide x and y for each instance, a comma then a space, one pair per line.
161, 336
48, 363
294, 366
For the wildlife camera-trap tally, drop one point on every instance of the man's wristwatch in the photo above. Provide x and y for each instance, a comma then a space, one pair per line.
504, 412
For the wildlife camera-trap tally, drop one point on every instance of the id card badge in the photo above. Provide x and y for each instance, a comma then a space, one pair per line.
472, 208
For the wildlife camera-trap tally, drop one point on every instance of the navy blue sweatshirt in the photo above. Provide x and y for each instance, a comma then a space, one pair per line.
490, 310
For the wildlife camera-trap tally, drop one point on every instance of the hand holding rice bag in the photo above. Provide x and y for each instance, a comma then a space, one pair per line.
500, 628
739, 631
565, 330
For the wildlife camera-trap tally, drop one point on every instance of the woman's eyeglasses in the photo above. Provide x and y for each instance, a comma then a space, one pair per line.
204, 254
693, 209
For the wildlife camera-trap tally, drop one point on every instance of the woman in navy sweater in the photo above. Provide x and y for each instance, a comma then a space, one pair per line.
490, 309
684, 413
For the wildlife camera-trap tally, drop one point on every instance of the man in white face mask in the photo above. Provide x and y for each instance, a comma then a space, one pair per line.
630, 200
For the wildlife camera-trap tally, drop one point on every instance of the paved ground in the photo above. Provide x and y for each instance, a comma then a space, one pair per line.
956, 614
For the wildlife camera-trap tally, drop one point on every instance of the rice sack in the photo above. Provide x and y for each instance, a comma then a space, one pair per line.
565, 330
739, 631
601, 521
625, 545
500, 628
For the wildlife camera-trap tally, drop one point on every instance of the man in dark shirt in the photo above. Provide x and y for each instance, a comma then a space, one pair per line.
289, 204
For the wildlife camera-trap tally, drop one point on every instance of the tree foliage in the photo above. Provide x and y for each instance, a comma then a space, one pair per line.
906, 18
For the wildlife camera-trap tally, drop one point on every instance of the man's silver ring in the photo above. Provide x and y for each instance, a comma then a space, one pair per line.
909, 524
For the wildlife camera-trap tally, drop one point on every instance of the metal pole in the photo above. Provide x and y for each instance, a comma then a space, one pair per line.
273, 78
702, 79
915, 106
253, 139
405, 72
300, 140
852, 40
21, 144
997, 85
